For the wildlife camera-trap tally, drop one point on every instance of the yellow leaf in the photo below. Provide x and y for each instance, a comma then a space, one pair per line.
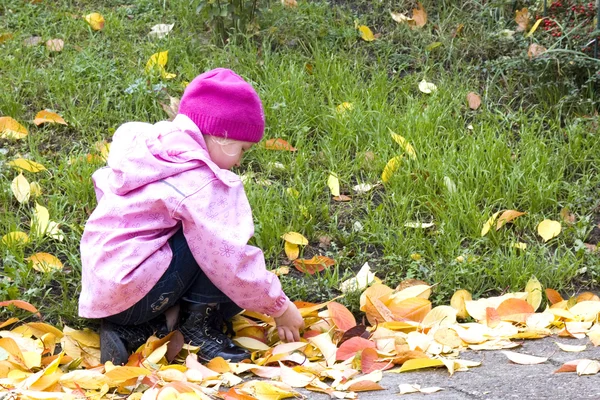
84, 379
390, 168
14, 238
427, 87
534, 27
487, 226
27, 165
407, 147
334, 184
295, 238
46, 116
262, 390
440, 316
365, 33
458, 300
20, 188
95, 20
157, 62
121, 374
103, 148
292, 251
45, 262
534, 293
343, 107
548, 229
325, 345
11, 129
32, 359
251, 343
85, 337
40, 220
419, 363
524, 359
35, 189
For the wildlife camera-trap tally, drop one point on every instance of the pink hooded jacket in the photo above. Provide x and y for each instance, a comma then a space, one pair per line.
160, 178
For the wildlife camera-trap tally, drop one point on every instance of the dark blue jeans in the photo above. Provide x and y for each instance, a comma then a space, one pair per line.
183, 280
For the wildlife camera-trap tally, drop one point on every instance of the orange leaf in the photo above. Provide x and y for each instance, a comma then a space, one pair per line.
553, 296
11, 129
48, 116
22, 305
522, 19
369, 363
474, 100
341, 316
364, 386
377, 312
351, 346
569, 366
412, 309
419, 16
492, 318
515, 310
507, 216
232, 394
404, 356
279, 144
317, 263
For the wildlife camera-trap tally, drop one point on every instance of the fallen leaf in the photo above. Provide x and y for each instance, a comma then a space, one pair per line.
419, 225
45, 262
458, 300
488, 224
20, 188
365, 33
419, 16
5, 37
534, 27
567, 216
15, 238
95, 20
427, 87
341, 316
295, 238
402, 19
334, 184
342, 198
369, 361
364, 386
588, 367
361, 281
46, 116
508, 216
534, 293
406, 388
419, 363
587, 296
310, 266
11, 129
535, 50
292, 250
548, 229
278, 144
157, 62
474, 100
172, 108
391, 167
570, 347
522, 19
55, 45
406, 146
524, 359
27, 165
20, 304
569, 366
553, 296
344, 107
289, 3
160, 31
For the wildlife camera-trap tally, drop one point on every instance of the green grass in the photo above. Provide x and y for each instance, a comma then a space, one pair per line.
528, 149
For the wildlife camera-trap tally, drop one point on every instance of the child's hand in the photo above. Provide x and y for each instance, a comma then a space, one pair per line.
289, 324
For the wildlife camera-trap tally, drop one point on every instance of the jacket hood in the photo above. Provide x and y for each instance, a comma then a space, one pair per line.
141, 153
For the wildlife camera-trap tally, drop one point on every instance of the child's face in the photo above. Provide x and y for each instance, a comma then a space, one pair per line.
226, 153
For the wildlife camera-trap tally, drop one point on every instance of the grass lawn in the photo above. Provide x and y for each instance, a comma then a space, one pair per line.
532, 146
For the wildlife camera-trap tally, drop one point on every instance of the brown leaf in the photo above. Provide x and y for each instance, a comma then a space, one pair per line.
5, 36
458, 30
419, 16
522, 19
317, 263
535, 50
55, 45
171, 108
342, 198
474, 100
357, 331
567, 216
279, 144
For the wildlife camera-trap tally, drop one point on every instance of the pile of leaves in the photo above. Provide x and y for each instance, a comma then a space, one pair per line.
336, 355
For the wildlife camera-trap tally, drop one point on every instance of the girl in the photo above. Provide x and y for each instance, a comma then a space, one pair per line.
171, 228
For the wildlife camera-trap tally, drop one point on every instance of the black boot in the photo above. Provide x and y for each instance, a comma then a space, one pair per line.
203, 327
117, 342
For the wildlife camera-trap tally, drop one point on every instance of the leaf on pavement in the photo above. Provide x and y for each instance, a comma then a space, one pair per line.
524, 359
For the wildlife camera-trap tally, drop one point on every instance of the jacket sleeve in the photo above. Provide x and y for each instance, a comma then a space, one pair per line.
217, 224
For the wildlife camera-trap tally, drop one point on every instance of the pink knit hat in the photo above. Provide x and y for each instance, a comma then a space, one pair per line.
222, 104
